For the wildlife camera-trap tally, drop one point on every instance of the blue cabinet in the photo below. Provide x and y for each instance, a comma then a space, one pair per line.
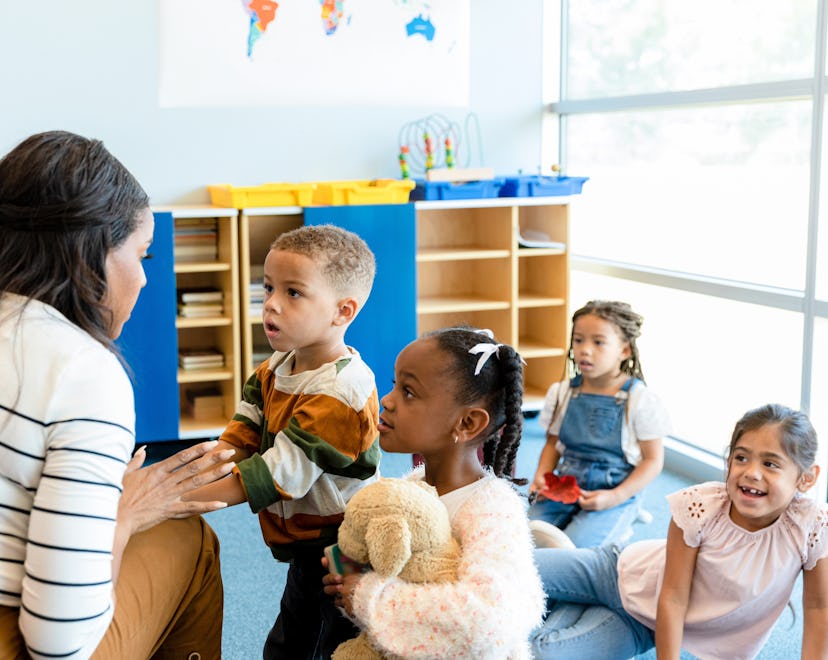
151, 339
149, 342
389, 319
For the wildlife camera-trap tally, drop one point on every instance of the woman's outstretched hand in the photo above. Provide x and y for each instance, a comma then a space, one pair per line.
153, 494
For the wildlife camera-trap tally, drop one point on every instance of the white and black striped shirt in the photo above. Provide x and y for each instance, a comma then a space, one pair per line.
67, 422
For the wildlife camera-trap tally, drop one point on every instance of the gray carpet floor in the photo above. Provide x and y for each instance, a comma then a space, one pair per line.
253, 580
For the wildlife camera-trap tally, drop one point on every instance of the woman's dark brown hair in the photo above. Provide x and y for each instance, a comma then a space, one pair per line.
65, 203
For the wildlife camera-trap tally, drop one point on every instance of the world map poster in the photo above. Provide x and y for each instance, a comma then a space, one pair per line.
314, 52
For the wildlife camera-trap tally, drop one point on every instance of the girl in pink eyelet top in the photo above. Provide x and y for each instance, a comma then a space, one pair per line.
456, 390
726, 572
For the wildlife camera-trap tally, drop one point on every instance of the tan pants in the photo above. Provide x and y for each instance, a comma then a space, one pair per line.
169, 600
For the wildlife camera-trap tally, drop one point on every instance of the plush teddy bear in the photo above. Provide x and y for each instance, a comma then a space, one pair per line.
401, 528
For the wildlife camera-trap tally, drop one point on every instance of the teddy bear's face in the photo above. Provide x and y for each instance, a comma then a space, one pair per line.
390, 520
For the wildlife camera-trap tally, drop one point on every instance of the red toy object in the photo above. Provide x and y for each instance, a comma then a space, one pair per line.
560, 489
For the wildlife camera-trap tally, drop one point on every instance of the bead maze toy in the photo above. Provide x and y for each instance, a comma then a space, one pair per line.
417, 153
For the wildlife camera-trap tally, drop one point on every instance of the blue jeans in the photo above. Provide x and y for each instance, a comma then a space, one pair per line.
602, 631
588, 528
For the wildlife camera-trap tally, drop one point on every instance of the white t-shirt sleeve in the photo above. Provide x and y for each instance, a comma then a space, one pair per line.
549, 405
650, 419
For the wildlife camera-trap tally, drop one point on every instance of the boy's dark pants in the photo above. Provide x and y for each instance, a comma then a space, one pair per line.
309, 625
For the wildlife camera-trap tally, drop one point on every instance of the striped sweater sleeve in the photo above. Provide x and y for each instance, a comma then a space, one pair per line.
67, 592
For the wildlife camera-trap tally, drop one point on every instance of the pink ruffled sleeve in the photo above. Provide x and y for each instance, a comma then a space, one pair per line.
695, 507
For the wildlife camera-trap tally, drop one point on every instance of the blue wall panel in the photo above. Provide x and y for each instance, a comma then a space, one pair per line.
149, 342
389, 319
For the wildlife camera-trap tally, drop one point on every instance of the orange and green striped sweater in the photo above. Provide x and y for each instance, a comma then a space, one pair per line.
313, 442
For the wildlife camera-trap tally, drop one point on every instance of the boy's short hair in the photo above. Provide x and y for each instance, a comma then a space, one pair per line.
344, 258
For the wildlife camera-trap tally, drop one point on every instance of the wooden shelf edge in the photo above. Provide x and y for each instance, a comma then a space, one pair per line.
190, 428
534, 349
203, 375
535, 300
540, 252
448, 305
201, 266
196, 211
202, 321
460, 254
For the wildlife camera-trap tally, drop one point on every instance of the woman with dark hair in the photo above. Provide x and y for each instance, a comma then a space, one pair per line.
98, 555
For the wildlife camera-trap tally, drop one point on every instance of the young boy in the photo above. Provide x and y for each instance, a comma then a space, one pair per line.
305, 432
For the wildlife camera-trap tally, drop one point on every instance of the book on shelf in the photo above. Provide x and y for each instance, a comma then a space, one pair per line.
538, 239
257, 292
195, 239
195, 252
205, 295
199, 310
206, 358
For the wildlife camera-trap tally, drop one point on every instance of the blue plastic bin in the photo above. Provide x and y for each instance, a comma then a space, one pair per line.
430, 190
541, 186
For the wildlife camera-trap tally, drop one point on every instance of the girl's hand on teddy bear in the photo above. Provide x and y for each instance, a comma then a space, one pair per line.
345, 595
331, 582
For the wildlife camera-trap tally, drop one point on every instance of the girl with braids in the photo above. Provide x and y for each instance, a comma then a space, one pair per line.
604, 427
455, 390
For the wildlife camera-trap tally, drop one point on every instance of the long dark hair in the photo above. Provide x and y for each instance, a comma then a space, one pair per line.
65, 203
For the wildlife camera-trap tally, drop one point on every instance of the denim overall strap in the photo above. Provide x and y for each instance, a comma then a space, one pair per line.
592, 430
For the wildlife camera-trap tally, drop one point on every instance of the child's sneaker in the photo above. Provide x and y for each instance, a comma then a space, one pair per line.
546, 535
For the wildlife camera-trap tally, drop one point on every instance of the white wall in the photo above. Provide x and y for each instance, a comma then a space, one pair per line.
90, 66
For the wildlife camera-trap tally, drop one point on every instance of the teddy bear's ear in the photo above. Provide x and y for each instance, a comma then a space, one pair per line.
389, 544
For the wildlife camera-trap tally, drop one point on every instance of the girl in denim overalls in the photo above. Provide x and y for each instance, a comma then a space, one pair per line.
604, 427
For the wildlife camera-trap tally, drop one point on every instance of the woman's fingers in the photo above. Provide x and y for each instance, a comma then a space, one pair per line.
137, 459
187, 456
183, 509
208, 476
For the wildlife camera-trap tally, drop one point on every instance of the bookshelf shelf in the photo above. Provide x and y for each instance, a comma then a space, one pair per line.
474, 266
218, 228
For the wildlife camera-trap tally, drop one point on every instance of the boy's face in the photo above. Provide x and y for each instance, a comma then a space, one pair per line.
301, 310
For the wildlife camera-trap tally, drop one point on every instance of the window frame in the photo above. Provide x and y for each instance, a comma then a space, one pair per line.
559, 108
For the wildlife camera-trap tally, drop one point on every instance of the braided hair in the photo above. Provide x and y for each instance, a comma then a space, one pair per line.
499, 385
628, 322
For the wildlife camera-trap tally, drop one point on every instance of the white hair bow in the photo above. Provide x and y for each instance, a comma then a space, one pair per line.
486, 351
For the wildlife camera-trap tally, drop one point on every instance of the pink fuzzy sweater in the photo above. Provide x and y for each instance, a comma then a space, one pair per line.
496, 602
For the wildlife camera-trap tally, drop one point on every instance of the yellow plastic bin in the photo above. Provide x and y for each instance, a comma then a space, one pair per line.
267, 194
369, 191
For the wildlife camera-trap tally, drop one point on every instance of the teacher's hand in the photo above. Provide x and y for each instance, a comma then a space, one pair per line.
153, 494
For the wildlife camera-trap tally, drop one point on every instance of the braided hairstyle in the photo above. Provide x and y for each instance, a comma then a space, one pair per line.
628, 322
499, 386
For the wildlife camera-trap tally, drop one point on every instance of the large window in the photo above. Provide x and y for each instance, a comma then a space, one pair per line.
701, 128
